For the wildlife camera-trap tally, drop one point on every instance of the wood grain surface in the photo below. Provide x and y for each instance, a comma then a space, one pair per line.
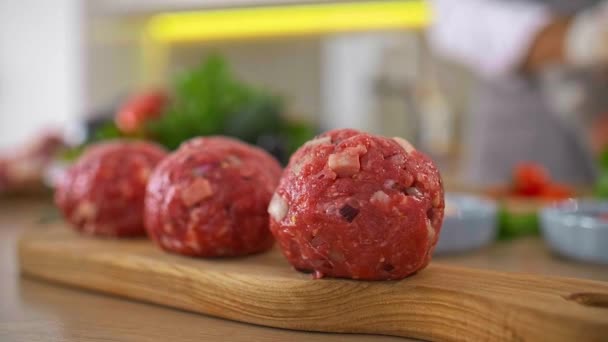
441, 303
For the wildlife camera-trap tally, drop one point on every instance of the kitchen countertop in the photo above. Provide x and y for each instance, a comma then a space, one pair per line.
33, 310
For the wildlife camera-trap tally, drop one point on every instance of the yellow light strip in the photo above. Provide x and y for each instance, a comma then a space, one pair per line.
281, 21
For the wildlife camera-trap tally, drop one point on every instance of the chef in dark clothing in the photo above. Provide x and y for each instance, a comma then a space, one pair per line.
542, 94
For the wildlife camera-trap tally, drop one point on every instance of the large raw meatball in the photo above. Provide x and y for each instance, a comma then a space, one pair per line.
209, 199
355, 205
103, 192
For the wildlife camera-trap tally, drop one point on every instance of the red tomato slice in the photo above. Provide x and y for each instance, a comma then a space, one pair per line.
139, 109
557, 192
530, 179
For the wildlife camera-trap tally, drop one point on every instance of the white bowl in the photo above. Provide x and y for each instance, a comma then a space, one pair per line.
470, 222
575, 229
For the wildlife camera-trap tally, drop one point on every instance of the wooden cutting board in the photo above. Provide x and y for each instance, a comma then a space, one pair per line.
441, 303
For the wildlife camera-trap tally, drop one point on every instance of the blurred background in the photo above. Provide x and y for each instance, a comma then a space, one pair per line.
510, 98
364, 65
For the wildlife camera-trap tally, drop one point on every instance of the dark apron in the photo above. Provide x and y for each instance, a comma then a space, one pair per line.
513, 120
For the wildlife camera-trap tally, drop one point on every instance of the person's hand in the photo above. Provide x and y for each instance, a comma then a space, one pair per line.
586, 41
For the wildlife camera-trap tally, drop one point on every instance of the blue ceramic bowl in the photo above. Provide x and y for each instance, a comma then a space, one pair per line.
576, 229
470, 222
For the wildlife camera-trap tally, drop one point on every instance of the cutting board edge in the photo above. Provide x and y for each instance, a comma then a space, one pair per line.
30, 255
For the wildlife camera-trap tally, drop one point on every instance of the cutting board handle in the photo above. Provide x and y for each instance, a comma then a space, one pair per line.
458, 304
599, 300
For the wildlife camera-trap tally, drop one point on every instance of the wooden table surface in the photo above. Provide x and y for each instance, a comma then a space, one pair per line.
32, 310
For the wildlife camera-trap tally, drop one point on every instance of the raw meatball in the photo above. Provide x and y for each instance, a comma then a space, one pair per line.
257, 155
103, 193
209, 199
355, 205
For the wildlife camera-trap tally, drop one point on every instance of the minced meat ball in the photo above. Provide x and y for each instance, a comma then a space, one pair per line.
355, 205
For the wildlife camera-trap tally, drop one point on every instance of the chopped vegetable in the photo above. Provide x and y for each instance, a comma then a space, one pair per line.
601, 187
532, 187
530, 179
556, 192
533, 180
515, 224
139, 109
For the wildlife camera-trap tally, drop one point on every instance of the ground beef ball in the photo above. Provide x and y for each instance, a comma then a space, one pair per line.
355, 205
257, 155
209, 199
103, 192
